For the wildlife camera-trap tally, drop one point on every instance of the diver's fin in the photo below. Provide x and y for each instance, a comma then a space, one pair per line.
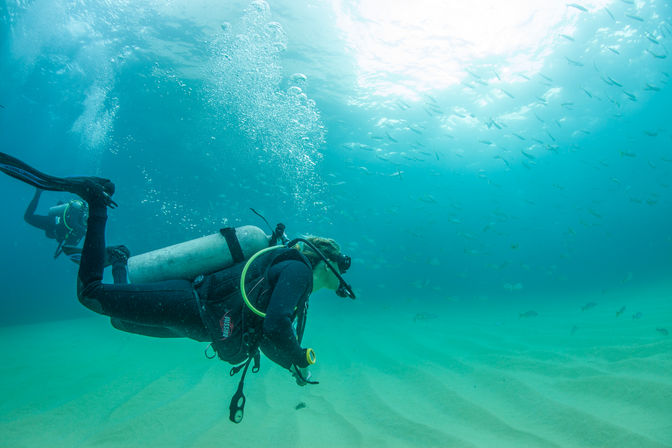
26, 173
71, 250
85, 187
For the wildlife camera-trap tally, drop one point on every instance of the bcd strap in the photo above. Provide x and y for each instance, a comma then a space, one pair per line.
237, 405
278, 234
229, 233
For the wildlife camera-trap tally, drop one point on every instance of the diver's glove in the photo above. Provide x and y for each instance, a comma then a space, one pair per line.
302, 375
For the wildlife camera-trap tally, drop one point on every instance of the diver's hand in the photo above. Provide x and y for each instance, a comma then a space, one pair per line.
302, 375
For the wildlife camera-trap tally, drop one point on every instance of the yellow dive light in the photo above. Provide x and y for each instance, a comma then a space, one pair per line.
310, 356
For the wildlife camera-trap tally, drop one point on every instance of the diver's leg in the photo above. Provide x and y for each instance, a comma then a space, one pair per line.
169, 304
145, 330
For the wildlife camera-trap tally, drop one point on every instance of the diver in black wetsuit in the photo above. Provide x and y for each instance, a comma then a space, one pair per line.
212, 308
284, 278
66, 222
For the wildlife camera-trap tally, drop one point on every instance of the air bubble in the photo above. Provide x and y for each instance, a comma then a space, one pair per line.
298, 79
295, 90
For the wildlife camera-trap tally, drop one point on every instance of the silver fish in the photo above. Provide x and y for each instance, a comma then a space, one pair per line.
588, 306
577, 6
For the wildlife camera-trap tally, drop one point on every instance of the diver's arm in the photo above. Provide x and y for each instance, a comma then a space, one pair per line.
294, 283
45, 223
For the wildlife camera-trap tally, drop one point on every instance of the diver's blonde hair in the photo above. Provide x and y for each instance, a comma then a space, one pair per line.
327, 246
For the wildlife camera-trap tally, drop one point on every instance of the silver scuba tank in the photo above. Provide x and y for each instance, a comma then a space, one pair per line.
72, 214
192, 258
58, 210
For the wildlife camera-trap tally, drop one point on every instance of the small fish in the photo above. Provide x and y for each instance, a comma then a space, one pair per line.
429, 199
574, 63
628, 154
530, 313
651, 88
485, 142
577, 6
1, 106
503, 160
472, 73
546, 77
663, 331
398, 173
424, 317
610, 14
651, 133
416, 130
588, 306
495, 124
301, 405
528, 155
569, 38
594, 213
634, 17
652, 39
389, 137
637, 315
656, 55
614, 82
590, 95
613, 50
507, 93
620, 311
518, 135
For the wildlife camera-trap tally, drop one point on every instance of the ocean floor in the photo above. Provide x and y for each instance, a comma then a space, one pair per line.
401, 375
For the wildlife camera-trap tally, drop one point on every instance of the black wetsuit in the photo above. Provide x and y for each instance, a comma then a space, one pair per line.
178, 308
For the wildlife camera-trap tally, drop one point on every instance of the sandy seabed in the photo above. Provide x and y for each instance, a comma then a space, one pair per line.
401, 375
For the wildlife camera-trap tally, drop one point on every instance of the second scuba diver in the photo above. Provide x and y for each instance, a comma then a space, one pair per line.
65, 222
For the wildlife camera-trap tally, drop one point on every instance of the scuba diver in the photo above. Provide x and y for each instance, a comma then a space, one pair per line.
257, 304
65, 222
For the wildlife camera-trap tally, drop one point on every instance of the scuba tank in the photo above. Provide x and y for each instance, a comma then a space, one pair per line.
203, 255
72, 214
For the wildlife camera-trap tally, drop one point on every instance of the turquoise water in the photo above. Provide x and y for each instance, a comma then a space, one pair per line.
506, 164
526, 152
